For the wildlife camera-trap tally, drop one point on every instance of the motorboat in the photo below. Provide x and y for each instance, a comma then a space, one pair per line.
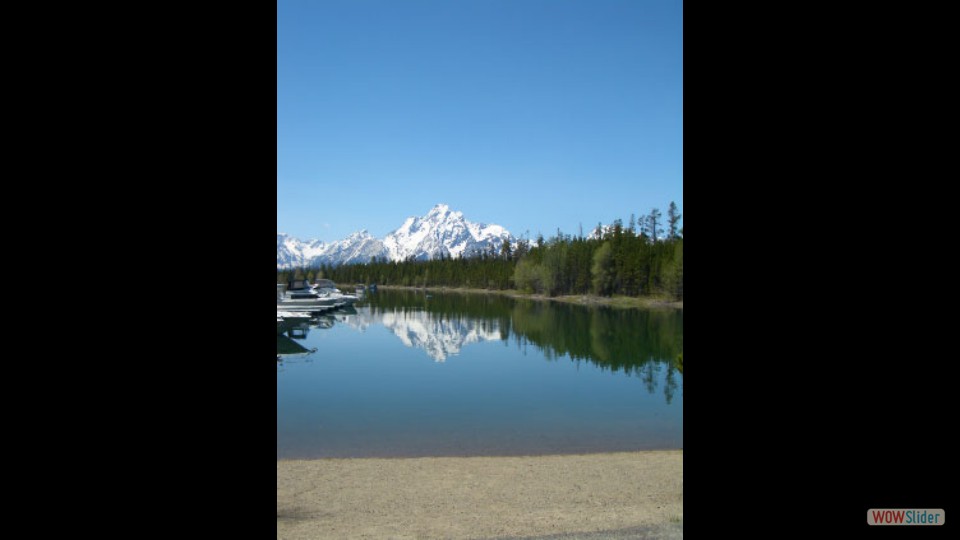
325, 286
306, 299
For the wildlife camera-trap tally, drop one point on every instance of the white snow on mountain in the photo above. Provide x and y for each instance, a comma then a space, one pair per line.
290, 251
604, 231
441, 232
359, 247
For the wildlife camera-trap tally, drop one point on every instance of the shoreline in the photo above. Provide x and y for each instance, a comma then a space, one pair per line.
481, 497
619, 302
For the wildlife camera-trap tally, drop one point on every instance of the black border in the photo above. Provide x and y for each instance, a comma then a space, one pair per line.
816, 326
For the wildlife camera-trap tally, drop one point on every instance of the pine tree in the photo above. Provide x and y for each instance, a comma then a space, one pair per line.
673, 218
652, 221
522, 248
602, 269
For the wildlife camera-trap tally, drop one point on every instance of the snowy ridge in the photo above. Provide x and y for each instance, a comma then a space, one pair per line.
291, 251
441, 232
359, 247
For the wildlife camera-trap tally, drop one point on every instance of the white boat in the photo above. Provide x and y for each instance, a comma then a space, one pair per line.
300, 300
328, 287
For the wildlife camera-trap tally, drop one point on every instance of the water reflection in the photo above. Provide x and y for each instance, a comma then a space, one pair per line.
440, 337
299, 328
291, 332
478, 375
640, 343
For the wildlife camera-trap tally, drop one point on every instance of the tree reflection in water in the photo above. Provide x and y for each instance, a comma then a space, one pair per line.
637, 342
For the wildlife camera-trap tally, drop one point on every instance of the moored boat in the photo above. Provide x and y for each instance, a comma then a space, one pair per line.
325, 286
306, 299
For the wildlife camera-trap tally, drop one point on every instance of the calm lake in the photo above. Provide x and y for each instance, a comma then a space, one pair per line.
406, 373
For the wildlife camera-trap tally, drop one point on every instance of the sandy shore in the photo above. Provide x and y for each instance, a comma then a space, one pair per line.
635, 494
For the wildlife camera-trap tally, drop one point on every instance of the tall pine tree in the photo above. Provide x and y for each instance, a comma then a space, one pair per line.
652, 221
673, 218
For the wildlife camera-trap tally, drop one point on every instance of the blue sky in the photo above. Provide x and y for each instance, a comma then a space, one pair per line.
532, 114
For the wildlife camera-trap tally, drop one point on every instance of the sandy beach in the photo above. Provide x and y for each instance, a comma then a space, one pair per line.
616, 495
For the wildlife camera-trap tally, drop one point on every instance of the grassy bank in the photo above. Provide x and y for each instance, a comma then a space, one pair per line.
622, 302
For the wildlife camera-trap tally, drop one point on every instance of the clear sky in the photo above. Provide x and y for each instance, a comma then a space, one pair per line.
531, 114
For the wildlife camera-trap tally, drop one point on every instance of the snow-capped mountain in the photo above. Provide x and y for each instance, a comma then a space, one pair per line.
289, 251
293, 252
359, 247
604, 231
441, 231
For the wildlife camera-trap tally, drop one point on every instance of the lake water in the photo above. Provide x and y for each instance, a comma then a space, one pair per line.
411, 374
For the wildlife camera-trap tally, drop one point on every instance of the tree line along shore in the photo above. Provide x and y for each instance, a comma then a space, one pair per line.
637, 265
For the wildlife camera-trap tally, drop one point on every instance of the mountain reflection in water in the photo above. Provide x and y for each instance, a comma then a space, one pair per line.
638, 342
409, 374
618, 339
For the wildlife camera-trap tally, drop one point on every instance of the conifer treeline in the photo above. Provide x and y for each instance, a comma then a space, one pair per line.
615, 260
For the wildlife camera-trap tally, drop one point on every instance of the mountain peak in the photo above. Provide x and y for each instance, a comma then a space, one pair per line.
441, 232
439, 211
442, 213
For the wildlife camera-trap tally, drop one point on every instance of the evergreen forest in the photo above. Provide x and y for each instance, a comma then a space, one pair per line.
643, 258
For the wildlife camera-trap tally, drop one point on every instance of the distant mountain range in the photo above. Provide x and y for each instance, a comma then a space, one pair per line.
441, 231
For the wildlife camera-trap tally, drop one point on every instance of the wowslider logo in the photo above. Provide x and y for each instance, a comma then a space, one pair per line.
903, 516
